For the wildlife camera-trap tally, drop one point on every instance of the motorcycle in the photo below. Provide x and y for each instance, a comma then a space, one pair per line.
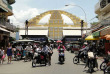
91, 62
79, 55
91, 65
107, 70
39, 58
61, 55
17, 55
103, 65
27, 57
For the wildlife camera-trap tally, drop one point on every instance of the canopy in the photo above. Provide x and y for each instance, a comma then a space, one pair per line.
24, 40
107, 37
91, 37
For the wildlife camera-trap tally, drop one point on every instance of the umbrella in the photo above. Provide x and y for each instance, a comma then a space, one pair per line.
91, 37
59, 41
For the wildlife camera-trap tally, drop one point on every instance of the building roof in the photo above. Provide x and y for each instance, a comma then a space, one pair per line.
34, 32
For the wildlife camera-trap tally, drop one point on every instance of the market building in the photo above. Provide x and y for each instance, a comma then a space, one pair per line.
5, 26
55, 29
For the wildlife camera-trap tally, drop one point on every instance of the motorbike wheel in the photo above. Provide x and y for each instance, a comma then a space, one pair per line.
103, 66
25, 59
33, 64
29, 59
91, 66
107, 70
75, 60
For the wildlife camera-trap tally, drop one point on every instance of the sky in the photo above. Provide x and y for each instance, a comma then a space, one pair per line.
27, 9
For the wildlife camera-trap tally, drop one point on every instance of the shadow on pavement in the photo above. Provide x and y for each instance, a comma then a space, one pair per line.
60, 63
39, 66
80, 64
87, 71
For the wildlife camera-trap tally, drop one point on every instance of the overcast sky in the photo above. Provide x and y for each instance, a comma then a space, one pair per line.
27, 9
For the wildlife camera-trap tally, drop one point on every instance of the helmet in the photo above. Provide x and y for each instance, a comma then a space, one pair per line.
93, 43
85, 43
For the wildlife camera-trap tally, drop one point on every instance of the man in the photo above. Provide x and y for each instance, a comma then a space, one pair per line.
83, 51
50, 52
19, 49
30, 50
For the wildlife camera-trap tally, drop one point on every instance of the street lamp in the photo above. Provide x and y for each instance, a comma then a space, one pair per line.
82, 10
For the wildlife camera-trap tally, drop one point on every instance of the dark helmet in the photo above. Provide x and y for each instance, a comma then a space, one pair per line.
93, 44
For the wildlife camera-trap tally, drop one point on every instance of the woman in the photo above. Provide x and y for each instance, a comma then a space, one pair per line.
3, 55
9, 53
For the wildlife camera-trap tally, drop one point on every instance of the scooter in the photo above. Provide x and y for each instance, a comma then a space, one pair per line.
39, 58
80, 56
61, 55
103, 65
18, 55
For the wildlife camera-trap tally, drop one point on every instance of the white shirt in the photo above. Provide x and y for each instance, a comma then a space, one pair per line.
19, 48
29, 49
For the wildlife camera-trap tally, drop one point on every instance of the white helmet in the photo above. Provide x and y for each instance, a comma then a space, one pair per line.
85, 43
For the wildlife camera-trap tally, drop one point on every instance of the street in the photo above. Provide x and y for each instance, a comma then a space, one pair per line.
21, 67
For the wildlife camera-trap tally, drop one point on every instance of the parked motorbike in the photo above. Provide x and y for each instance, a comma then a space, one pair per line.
27, 57
61, 55
107, 70
17, 55
79, 56
91, 62
91, 65
39, 58
103, 65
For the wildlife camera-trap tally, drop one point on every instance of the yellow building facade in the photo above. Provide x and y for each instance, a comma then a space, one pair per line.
56, 23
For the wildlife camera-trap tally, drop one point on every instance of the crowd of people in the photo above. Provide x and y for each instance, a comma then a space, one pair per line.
20, 49
87, 52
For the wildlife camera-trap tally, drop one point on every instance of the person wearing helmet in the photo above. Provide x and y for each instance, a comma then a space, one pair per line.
83, 51
61, 46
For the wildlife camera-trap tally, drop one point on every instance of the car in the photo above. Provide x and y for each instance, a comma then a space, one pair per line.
68, 46
75, 47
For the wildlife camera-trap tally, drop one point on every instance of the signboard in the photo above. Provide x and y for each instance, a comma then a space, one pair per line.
38, 39
71, 39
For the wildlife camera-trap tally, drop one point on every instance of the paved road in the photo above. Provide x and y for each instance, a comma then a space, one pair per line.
20, 67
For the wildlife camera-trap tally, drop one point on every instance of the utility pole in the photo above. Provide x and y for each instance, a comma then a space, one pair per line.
26, 28
82, 22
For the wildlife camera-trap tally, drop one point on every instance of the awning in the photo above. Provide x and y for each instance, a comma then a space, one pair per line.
91, 37
24, 40
5, 10
105, 32
97, 33
2, 29
108, 37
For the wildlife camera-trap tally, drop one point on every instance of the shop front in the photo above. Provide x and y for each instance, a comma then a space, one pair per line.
105, 34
